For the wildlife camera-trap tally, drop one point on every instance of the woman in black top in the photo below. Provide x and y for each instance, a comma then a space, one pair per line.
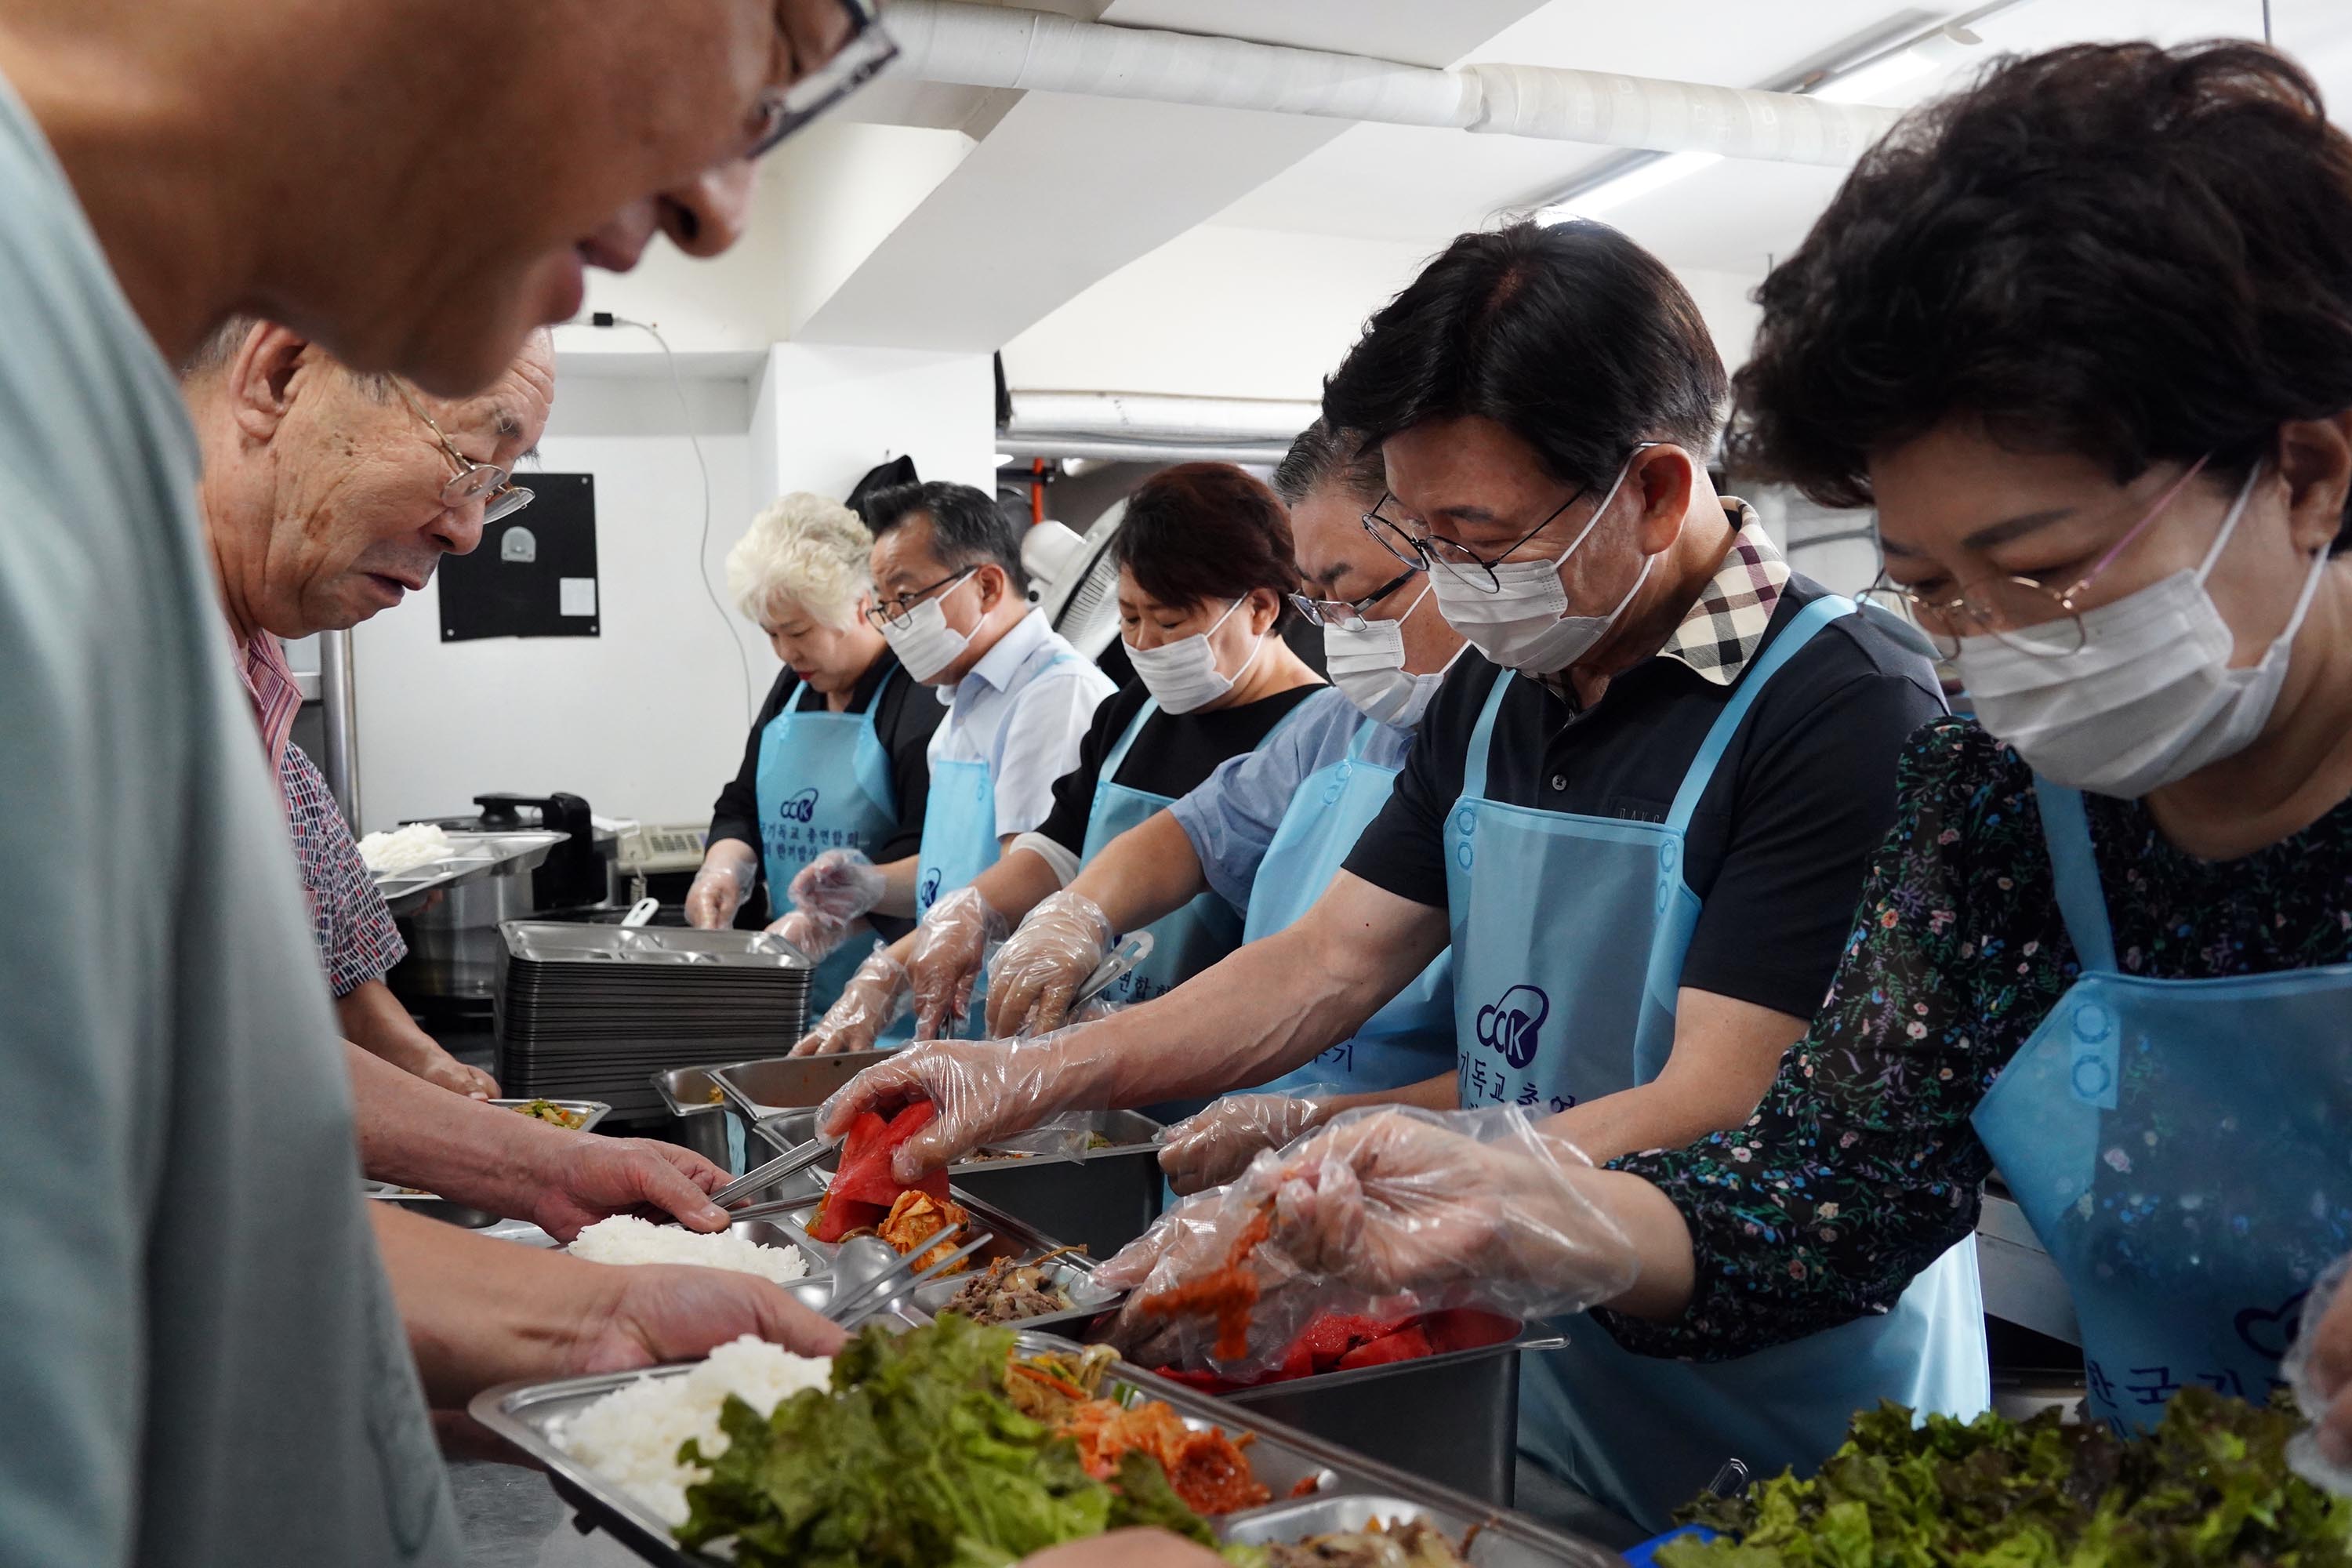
835, 759
1205, 563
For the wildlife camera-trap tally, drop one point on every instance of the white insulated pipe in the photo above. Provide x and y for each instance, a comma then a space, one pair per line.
1001, 46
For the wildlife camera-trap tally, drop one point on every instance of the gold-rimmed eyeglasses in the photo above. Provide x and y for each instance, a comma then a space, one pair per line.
469, 481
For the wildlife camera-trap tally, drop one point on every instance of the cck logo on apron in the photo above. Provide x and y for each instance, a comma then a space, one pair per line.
1509, 1024
801, 807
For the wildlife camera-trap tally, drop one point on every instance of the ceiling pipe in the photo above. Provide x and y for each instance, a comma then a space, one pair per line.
1001, 47
1143, 427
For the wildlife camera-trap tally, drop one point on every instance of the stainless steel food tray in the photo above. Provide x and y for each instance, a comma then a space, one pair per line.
550, 942
1346, 1488
473, 857
1100, 1199
765, 1086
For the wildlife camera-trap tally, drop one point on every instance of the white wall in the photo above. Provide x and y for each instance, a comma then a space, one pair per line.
648, 720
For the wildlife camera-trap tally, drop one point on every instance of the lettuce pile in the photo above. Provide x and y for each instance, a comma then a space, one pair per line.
915, 1459
2209, 1486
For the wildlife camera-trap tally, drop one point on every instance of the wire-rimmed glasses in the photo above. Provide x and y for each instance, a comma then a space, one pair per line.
855, 58
2021, 613
898, 614
1347, 614
469, 481
1415, 545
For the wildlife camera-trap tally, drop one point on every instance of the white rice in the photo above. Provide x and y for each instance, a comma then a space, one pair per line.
403, 849
624, 1238
631, 1435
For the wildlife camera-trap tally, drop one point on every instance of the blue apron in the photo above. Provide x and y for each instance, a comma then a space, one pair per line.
824, 783
1569, 933
2183, 1149
1410, 1039
1184, 942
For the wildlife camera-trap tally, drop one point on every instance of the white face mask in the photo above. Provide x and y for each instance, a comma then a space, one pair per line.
1525, 623
926, 645
1368, 666
2149, 698
1182, 676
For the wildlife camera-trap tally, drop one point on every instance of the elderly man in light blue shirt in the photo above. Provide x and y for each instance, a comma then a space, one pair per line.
951, 597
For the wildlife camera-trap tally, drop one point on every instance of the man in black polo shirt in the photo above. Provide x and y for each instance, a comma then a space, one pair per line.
1640, 810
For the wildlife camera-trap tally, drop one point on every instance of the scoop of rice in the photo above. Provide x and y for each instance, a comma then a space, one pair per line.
624, 1238
631, 1435
403, 849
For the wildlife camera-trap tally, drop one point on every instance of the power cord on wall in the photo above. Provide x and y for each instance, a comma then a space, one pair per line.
702, 544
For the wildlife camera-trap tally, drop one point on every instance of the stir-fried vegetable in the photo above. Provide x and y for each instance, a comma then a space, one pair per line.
547, 1111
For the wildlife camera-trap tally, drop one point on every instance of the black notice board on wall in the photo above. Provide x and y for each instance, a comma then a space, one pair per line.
534, 574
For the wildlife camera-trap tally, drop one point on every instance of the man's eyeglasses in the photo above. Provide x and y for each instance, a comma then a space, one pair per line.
469, 481
2018, 612
1347, 614
1413, 544
856, 49
898, 614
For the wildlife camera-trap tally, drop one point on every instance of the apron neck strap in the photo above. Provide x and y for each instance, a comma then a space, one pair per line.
1482, 739
2081, 902
1118, 757
1360, 742
1800, 630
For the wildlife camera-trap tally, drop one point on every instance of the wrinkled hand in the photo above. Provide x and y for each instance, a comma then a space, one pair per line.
817, 935
839, 885
729, 869
2318, 1368
650, 1313
439, 1068
1043, 964
591, 1177
985, 1091
1217, 1145
951, 948
869, 1004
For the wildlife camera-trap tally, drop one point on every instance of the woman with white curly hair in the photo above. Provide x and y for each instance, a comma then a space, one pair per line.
835, 759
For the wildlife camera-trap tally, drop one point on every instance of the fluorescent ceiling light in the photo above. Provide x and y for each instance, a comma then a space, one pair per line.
1635, 183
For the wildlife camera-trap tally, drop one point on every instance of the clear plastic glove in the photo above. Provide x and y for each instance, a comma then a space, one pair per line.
729, 868
1386, 1212
838, 885
950, 951
2318, 1369
816, 935
1217, 1145
1043, 964
985, 1092
869, 1004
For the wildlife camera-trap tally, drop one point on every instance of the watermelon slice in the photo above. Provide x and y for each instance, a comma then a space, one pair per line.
864, 1175
1405, 1344
836, 1217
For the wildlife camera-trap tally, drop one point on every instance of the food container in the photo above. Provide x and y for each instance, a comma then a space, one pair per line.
769, 1087
1347, 1489
700, 1110
1099, 1199
1460, 1410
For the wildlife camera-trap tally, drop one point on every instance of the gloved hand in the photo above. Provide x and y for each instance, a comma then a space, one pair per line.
1409, 1209
729, 868
985, 1091
951, 950
2318, 1368
1043, 964
1217, 1145
814, 934
869, 1004
840, 885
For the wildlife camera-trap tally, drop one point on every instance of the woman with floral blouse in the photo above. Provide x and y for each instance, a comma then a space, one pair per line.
2083, 335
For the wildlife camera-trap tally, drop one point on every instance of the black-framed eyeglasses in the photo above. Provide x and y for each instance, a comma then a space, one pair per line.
1347, 614
469, 481
898, 614
858, 56
1461, 562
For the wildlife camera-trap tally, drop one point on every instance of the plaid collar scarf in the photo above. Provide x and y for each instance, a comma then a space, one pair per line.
1724, 628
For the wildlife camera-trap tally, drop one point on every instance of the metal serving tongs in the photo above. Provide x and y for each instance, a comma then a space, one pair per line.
861, 1300
792, 1162
1115, 967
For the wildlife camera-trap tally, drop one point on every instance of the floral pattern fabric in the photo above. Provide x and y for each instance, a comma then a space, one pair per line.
1861, 1167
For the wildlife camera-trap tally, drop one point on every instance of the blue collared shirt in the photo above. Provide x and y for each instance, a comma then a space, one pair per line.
1023, 709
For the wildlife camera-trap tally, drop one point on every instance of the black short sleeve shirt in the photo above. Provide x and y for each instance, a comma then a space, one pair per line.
1782, 836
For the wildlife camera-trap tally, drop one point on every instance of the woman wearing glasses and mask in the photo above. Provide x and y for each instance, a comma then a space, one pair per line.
1640, 815
836, 759
1205, 564
2083, 335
